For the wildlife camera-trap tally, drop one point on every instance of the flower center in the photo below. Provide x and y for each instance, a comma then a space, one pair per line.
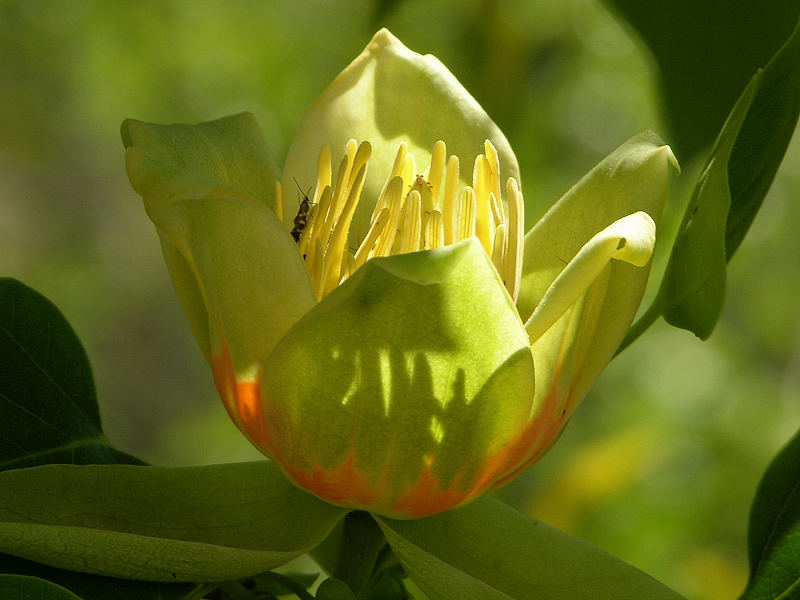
414, 212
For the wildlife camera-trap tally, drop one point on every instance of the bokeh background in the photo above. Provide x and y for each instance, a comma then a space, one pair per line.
660, 463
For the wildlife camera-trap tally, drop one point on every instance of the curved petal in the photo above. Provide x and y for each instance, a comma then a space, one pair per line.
401, 391
630, 239
237, 273
632, 178
584, 327
388, 95
230, 151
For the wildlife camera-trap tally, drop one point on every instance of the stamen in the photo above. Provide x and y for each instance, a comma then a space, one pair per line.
317, 266
341, 188
438, 158
449, 200
481, 185
338, 241
323, 172
413, 212
397, 171
410, 169
408, 237
493, 162
379, 223
497, 212
426, 195
512, 269
465, 227
434, 231
394, 199
499, 250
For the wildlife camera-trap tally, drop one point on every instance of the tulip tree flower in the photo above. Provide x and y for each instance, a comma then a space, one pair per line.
393, 340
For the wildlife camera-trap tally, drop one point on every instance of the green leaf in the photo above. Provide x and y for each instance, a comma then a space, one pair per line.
362, 543
693, 288
722, 43
774, 532
763, 138
488, 551
95, 587
334, 589
210, 523
23, 587
728, 194
47, 395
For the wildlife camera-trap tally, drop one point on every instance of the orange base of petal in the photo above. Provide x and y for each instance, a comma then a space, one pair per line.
242, 399
345, 485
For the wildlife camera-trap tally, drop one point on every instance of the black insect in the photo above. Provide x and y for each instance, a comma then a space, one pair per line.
301, 220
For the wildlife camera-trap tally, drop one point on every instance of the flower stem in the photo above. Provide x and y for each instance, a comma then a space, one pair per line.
362, 543
641, 325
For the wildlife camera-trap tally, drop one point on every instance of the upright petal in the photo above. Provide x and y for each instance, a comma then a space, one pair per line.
585, 269
386, 96
238, 274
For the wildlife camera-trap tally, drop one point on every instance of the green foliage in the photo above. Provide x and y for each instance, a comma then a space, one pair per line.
50, 416
168, 524
95, 587
47, 396
774, 533
693, 288
160, 524
489, 551
573, 86
727, 196
334, 589
24, 587
706, 52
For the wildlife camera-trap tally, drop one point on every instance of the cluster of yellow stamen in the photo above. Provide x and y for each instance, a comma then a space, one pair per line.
414, 212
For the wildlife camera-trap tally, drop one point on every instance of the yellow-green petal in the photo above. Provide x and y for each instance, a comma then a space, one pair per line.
403, 389
388, 95
630, 239
591, 284
237, 272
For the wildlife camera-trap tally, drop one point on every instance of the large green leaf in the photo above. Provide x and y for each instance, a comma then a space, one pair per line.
95, 587
209, 523
693, 289
774, 533
49, 415
706, 52
24, 587
488, 551
727, 196
47, 396
763, 138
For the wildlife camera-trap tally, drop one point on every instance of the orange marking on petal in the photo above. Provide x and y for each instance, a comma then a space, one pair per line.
343, 484
537, 438
428, 498
242, 399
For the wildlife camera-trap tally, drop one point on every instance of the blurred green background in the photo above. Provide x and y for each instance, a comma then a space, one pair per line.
660, 463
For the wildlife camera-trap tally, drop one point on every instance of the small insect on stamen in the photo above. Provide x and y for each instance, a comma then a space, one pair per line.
301, 220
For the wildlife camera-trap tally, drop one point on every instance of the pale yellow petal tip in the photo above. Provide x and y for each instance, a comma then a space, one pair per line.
383, 38
672, 160
630, 239
637, 238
